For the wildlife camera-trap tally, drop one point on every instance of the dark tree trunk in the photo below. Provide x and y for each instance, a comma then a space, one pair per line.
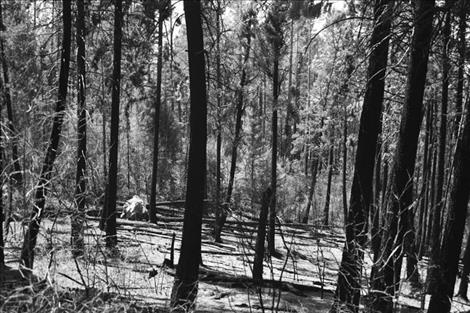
29, 243
349, 280
238, 121
2, 210
78, 217
156, 120
376, 206
260, 237
423, 207
272, 211
17, 174
440, 201
312, 189
222, 215
463, 287
289, 111
326, 208
463, 7
185, 286
396, 230
103, 129
443, 292
111, 188
345, 162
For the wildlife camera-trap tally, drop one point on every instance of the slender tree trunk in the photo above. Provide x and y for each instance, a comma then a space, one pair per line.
463, 7
220, 210
29, 243
443, 292
424, 188
260, 237
78, 217
440, 199
326, 208
222, 216
376, 206
186, 280
345, 161
156, 121
128, 144
272, 212
349, 279
103, 129
2, 209
313, 183
17, 175
111, 189
238, 121
396, 232
287, 125
463, 287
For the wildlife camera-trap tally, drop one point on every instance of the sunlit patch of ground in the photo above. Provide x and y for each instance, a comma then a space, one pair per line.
108, 281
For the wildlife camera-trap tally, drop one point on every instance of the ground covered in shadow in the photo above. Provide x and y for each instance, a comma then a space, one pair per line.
133, 279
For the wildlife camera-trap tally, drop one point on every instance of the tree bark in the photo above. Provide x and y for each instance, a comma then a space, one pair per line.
423, 207
349, 279
440, 199
443, 292
186, 280
260, 237
461, 46
2, 209
396, 232
78, 218
463, 287
345, 162
276, 48
17, 175
222, 214
29, 243
326, 208
312, 189
156, 120
111, 190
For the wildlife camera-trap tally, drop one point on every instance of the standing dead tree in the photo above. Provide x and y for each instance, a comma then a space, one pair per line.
349, 280
29, 243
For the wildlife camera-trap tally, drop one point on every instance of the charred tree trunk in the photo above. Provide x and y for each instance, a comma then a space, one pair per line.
463, 287
396, 231
156, 119
440, 199
313, 183
260, 237
111, 188
289, 111
222, 214
29, 243
443, 292
349, 280
17, 174
272, 212
78, 218
345, 162
2, 209
463, 7
186, 280
421, 235
326, 208
377, 204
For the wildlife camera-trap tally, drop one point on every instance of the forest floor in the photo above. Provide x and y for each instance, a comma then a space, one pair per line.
133, 278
